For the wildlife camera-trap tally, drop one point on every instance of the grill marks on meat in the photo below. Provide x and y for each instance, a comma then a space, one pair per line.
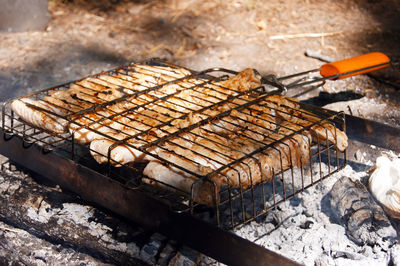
88, 93
208, 133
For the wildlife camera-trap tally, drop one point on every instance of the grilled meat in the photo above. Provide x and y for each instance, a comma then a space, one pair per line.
40, 114
212, 134
172, 178
87, 94
290, 110
119, 154
235, 161
186, 106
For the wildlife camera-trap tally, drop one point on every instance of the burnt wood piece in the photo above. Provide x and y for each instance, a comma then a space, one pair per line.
364, 219
139, 207
59, 220
18, 247
43, 224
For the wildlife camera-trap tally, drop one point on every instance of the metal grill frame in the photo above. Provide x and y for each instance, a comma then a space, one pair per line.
281, 187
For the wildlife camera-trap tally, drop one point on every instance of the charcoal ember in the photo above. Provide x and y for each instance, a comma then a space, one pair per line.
347, 255
364, 220
185, 256
307, 224
151, 249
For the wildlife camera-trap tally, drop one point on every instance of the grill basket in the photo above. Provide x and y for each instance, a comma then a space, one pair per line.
211, 135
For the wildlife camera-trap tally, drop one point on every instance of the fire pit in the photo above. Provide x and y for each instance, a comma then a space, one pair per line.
37, 205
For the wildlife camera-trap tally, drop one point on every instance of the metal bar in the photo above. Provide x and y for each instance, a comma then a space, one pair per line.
302, 84
139, 207
373, 133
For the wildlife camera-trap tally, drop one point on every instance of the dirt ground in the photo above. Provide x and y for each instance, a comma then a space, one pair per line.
84, 37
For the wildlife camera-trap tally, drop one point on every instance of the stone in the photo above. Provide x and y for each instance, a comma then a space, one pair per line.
150, 250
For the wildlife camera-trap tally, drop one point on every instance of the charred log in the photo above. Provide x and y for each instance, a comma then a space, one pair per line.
60, 225
364, 219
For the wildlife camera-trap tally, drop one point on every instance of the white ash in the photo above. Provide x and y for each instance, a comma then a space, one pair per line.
362, 157
350, 83
42, 214
364, 107
395, 254
302, 229
7, 186
80, 214
391, 154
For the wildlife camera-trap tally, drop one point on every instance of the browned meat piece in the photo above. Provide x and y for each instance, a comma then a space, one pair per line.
183, 103
289, 109
172, 178
89, 92
118, 154
243, 81
40, 114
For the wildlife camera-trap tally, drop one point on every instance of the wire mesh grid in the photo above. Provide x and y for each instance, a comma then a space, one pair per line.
225, 148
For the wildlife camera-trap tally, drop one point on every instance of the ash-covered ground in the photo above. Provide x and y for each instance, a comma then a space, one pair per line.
305, 229
335, 222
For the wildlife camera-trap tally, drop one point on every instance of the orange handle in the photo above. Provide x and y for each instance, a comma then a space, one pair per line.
353, 64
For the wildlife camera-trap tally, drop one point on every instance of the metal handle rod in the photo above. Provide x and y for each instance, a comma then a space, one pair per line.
316, 80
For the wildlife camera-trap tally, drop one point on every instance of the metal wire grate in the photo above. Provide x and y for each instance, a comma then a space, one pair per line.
224, 149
